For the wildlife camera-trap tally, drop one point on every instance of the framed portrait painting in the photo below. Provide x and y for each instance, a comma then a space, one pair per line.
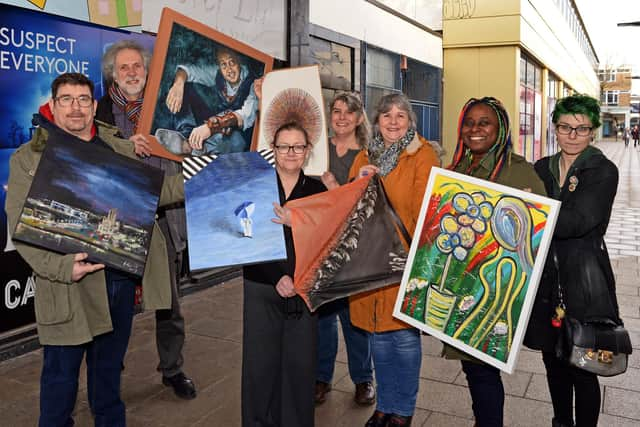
475, 261
200, 98
87, 198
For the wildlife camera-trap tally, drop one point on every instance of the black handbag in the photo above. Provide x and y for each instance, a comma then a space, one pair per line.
600, 347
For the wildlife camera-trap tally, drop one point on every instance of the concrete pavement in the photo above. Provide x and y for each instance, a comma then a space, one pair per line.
214, 342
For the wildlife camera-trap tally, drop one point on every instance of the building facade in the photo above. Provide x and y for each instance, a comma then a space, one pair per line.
374, 48
527, 53
615, 100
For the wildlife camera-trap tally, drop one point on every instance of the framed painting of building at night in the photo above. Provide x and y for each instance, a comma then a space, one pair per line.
475, 261
87, 198
200, 98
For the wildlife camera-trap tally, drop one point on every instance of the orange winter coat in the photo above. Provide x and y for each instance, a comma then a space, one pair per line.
405, 186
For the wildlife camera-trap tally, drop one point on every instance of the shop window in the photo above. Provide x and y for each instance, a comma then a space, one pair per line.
553, 86
530, 123
335, 66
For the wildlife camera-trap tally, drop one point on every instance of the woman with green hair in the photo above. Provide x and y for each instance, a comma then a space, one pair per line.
578, 279
484, 151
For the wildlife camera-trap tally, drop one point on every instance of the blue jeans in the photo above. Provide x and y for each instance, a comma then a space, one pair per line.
397, 356
487, 393
357, 341
104, 355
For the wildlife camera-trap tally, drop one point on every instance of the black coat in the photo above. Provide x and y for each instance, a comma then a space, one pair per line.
578, 240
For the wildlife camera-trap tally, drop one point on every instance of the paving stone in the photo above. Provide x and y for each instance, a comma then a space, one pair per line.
438, 419
621, 402
626, 290
431, 346
630, 380
538, 388
439, 369
530, 361
516, 384
442, 397
613, 421
519, 412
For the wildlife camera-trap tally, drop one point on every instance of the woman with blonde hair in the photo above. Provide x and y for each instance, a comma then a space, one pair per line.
350, 129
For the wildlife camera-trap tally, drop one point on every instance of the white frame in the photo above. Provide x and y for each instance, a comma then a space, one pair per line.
532, 287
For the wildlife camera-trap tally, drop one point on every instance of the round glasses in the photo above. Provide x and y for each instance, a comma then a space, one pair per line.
67, 100
580, 130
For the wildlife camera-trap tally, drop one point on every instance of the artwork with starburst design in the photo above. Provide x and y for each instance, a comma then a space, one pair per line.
295, 94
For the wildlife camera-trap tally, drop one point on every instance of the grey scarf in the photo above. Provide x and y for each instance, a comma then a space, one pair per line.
387, 158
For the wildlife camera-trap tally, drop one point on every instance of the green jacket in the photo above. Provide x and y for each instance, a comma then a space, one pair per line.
516, 173
72, 313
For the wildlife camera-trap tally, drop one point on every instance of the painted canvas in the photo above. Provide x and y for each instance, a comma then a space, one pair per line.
229, 210
295, 94
337, 241
201, 97
87, 198
475, 261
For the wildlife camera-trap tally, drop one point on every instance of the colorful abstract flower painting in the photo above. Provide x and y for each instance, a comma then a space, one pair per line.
474, 265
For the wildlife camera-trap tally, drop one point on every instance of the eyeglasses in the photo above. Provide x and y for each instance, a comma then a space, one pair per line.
285, 149
67, 100
580, 130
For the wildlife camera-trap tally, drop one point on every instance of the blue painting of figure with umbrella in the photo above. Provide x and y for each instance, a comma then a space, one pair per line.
244, 212
229, 209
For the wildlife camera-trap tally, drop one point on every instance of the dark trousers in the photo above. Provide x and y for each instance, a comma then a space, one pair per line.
170, 323
565, 381
104, 356
278, 359
358, 343
487, 393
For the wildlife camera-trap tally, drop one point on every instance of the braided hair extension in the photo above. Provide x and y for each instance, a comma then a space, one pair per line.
502, 146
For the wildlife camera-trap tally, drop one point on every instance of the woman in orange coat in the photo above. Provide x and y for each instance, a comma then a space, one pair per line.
403, 159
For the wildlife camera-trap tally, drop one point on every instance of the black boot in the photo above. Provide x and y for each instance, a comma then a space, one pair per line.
556, 423
378, 419
399, 421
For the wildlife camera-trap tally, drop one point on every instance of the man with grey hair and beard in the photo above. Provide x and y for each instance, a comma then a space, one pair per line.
125, 66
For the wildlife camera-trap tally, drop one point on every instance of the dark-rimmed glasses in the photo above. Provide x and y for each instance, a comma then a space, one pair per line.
67, 100
285, 149
580, 130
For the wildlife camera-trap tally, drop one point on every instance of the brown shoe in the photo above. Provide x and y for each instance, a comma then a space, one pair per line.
322, 389
365, 393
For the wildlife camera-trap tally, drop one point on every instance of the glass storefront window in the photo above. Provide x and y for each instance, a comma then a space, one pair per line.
530, 130
553, 85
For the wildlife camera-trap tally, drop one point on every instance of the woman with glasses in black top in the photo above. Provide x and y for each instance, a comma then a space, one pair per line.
279, 332
585, 181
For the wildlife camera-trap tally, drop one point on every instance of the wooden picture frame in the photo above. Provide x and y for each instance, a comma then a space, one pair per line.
475, 261
182, 41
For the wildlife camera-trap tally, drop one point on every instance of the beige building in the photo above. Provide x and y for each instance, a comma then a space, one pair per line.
527, 53
615, 99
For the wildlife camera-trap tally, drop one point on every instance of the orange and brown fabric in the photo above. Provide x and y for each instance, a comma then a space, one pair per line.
345, 242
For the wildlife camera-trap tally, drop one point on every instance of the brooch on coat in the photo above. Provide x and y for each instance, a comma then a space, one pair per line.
573, 183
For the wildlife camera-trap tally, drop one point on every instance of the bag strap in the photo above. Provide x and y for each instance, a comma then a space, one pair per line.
557, 265
394, 215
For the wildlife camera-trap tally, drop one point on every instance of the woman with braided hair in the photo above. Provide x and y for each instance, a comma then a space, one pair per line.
484, 151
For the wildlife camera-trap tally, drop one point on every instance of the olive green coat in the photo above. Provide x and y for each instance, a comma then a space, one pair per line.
516, 173
72, 313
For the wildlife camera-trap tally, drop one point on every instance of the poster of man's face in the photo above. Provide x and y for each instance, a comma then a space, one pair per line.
204, 101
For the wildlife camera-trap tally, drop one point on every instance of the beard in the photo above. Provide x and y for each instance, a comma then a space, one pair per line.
132, 89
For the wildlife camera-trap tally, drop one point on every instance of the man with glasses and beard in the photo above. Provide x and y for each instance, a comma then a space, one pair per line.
82, 308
